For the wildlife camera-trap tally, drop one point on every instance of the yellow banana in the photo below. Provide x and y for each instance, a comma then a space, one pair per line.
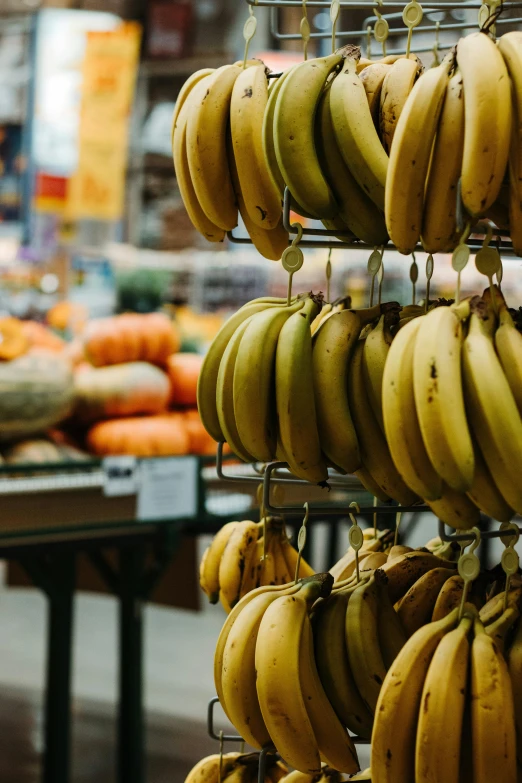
396, 717
485, 494
224, 394
278, 663
403, 571
397, 86
283, 575
183, 94
376, 347
247, 108
495, 419
508, 344
268, 135
356, 136
499, 630
509, 46
236, 555
449, 597
335, 744
416, 608
455, 509
294, 135
401, 423
198, 218
208, 769
333, 346
442, 708
375, 455
373, 78
356, 209
254, 382
439, 221
410, 156
295, 396
487, 106
290, 554
209, 571
492, 712
439, 399
370, 485
333, 665
514, 661
207, 148
392, 634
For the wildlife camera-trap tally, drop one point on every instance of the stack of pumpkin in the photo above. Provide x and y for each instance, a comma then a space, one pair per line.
135, 392
124, 389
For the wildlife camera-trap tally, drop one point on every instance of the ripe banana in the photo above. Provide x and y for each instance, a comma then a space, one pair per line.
410, 156
392, 634
333, 665
487, 106
270, 243
278, 663
335, 744
268, 134
375, 455
283, 575
403, 571
224, 394
291, 555
183, 94
500, 629
441, 713
356, 209
362, 641
449, 597
198, 218
207, 148
514, 661
294, 135
295, 396
492, 712
439, 398
371, 485
373, 78
208, 769
510, 47
493, 413
207, 381
397, 86
485, 494
356, 136
394, 731
236, 555
455, 509
401, 423
508, 344
247, 108
416, 608
439, 221
209, 570
254, 382
376, 347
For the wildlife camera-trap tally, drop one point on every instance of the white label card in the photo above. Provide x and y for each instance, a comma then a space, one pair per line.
120, 476
168, 488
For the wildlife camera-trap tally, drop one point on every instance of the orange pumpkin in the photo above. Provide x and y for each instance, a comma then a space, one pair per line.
131, 338
40, 336
150, 436
13, 341
67, 316
200, 441
183, 370
120, 390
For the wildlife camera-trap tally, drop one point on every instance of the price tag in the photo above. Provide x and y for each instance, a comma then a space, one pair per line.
120, 476
168, 488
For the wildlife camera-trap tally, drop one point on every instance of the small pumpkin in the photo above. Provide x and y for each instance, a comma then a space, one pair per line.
183, 370
120, 390
148, 436
39, 336
130, 338
36, 392
13, 341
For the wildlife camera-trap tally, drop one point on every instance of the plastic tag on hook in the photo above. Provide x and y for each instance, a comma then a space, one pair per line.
487, 259
334, 11
414, 271
374, 262
292, 259
249, 29
512, 533
460, 257
304, 29
412, 14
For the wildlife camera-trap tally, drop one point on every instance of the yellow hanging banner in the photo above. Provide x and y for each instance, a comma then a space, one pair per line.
97, 189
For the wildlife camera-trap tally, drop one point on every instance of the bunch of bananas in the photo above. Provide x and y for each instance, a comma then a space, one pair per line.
267, 679
451, 408
236, 768
245, 555
449, 708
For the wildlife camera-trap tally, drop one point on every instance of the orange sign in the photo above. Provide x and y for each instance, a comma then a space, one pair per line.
97, 189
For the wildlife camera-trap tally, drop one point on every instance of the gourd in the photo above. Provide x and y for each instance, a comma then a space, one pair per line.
13, 341
183, 370
36, 392
149, 436
120, 390
130, 338
40, 336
